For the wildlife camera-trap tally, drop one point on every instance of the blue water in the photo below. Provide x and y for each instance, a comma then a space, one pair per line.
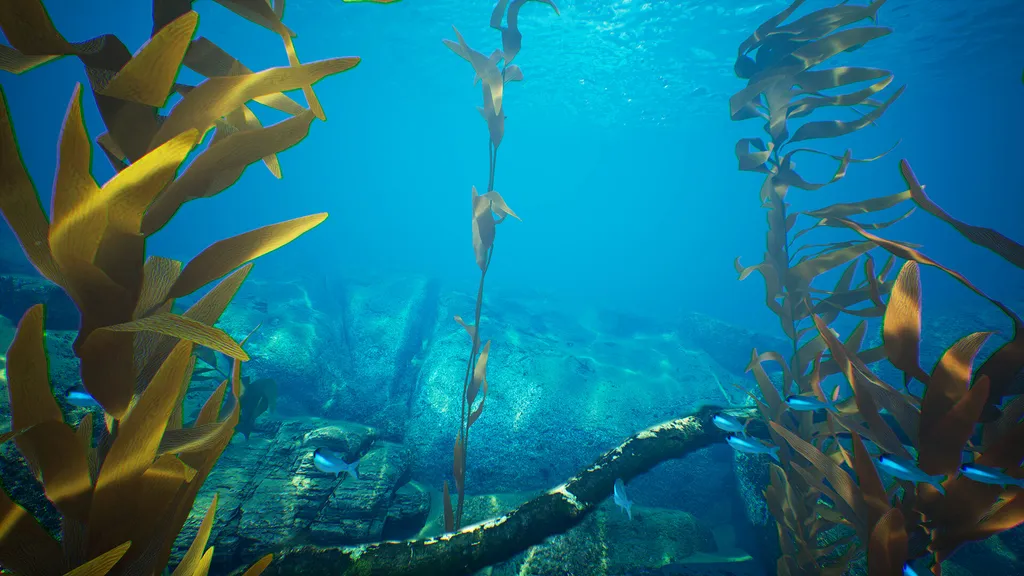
618, 147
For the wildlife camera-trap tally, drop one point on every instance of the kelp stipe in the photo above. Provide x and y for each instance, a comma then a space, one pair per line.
124, 498
485, 207
814, 492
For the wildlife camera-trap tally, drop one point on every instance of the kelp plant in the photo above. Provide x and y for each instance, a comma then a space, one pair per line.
813, 491
124, 496
494, 72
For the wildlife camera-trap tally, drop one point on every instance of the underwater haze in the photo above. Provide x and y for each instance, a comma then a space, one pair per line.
648, 411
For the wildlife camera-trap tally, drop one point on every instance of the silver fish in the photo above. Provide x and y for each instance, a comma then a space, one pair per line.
752, 446
728, 423
332, 463
990, 475
907, 470
809, 404
81, 399
619, 495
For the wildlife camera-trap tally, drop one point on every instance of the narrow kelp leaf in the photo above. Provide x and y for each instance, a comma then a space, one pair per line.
495, 121
257, 12
868, 206
190, 562
135, 449
950, 379
449, 514
500, 207
216, 97
887, 548
941, 453
226, 255
479, 375
875, 499
484, 67
261, 564
470, 329
72, 189
28, 382
158, 275
511, 37
838, 478
204, 176
901, 327
25, 546
20, 203
867, 396
243, 119
59, 459
475, 414
204, 563
483, 229
29, 29
768, 390
194, 439
184, 328
102, 564
837, 128
17, 63
805, 272
1005, 247
210, 60
1006, 361
307, 89
149, 76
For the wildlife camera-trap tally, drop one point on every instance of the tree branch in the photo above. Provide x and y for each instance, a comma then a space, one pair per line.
554, 512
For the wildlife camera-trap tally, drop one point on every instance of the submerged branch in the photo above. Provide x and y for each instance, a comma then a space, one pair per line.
554, 512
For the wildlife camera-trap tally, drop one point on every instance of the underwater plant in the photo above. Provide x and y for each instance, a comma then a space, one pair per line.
486, 207
124, 492
831, 506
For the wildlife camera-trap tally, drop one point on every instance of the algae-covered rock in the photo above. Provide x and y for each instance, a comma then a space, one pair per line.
270, 494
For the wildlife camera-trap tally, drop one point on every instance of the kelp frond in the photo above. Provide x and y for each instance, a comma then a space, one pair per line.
124, 498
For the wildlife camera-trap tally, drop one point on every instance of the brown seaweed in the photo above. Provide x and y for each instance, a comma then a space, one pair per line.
488, 211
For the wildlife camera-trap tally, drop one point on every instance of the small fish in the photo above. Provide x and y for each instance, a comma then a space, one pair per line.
81, 399
989, 475
619, 494
752, 446
908, 570
907, 470
803, 403
332, 463
728, 423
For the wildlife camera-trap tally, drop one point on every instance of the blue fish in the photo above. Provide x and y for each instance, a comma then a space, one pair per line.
728, 423
752, 446
332, 463
907, 470
619, 495
908, 570
803, 403
990, 475
81, 399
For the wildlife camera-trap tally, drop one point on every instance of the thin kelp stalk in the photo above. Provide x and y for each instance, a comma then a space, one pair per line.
489, 210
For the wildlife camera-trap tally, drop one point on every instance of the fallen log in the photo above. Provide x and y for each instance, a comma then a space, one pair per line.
480, 545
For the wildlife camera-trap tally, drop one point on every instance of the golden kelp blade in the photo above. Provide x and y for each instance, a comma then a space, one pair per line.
887, 549
28, 381
1005, 247
307, 90
216, 97
261, 564
226, 255
190, 563
257, 12
186, 329
16, 63
25, 547
202, 179
483, 229
449, 514
102, 564
134, 449
149, 76
901, 329
20, 204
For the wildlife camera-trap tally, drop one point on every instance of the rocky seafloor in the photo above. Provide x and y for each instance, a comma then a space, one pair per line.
373, 369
